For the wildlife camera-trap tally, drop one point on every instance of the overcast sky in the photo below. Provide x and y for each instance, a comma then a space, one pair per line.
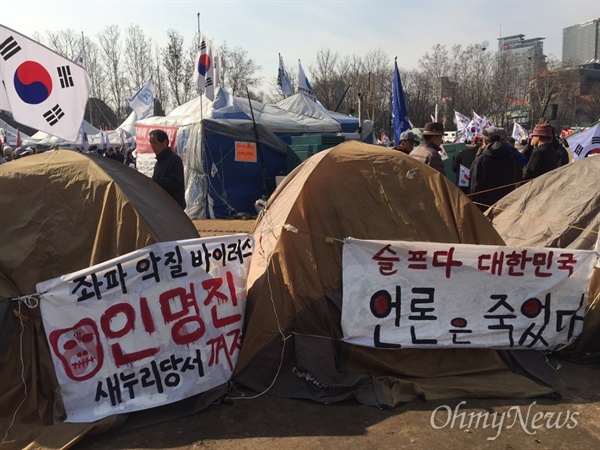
299, 29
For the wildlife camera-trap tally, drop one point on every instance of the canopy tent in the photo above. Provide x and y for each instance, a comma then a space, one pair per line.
47, 139
93, 134
293, 343
219, 183
63, 211
559, 209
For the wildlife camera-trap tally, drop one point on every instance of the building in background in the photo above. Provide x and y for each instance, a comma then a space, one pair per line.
581, 44
529, 51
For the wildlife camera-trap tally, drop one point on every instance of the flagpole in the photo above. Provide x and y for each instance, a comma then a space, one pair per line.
89, 102
200, 90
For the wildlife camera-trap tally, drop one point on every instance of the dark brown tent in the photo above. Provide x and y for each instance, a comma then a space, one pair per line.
292, 345
61, 212
559, 209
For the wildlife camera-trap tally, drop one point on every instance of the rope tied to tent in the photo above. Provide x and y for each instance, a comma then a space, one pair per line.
31, 301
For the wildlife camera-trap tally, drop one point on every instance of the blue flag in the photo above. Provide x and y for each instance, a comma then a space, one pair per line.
399, 112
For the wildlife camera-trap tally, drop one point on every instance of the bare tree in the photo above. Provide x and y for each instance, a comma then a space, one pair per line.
66, 42
239, 72
325, 78
504, 95
174, 61
110, 56
138, 58
160, 82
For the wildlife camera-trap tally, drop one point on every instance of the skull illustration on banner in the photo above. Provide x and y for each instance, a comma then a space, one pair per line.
79, 349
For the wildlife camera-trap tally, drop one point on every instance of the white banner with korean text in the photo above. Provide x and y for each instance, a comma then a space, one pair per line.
399, 294
148, 328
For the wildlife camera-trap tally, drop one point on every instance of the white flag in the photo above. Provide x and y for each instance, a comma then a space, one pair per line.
45, 90
142, 102
461, 121
477, 118
464, 176
205, 75
585, 143
80, 59
519, 133
303, 83
283, 79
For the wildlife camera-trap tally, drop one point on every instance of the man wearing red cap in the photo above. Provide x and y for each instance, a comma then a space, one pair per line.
543, 157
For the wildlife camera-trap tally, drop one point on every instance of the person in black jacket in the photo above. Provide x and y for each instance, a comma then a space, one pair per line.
544, 157
465, 158
495, 171
168, 170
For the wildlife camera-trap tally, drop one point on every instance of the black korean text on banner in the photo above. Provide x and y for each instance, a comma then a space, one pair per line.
431, 295
149, 328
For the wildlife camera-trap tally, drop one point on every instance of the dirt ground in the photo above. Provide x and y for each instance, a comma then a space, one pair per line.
271, 423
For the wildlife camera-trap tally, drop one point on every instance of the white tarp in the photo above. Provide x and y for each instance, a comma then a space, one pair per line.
439, 295
148, 328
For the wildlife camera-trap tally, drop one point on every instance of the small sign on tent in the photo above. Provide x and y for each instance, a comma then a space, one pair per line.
245, 151
148, 328
433, 295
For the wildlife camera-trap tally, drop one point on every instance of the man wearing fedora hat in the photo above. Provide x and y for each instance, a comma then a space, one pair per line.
543, 156
428, 151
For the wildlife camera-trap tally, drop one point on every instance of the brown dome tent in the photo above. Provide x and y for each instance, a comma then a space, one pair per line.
60, 212
559, 209
292, 345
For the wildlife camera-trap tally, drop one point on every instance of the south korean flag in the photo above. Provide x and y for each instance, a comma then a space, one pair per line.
44, 90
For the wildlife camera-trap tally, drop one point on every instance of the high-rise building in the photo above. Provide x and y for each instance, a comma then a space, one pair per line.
525, 49
581, 43
525, 56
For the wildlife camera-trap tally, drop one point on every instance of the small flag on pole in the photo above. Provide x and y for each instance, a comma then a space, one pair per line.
399, 111
142, 102
464, 176
303, 83
283, 79
519, 133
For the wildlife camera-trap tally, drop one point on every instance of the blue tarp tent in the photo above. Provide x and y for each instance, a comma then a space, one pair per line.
218, 182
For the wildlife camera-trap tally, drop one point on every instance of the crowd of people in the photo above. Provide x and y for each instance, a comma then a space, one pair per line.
120, 154
495, 165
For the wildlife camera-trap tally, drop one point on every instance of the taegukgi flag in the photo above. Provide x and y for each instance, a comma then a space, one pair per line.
585, 143
519, 133
45, 90
205, 73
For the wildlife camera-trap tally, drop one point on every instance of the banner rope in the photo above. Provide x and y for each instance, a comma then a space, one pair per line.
31, 301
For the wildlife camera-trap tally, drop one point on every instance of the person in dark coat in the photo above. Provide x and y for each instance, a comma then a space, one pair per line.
465, 158
168, 170
495, 172
544, 157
